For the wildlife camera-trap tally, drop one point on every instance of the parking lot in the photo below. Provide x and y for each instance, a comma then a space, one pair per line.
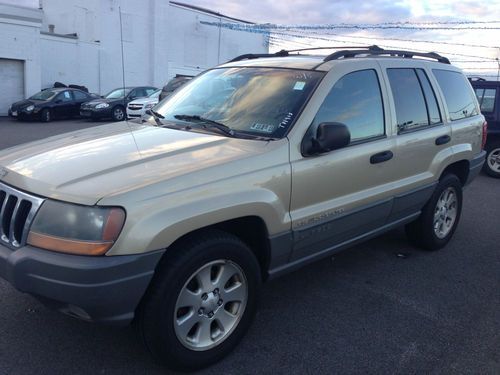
381, 307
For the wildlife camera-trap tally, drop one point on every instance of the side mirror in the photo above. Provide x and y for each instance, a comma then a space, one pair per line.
329, 136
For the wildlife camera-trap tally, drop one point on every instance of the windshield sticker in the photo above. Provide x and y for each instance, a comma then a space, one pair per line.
264, 128
286, 120
299, 85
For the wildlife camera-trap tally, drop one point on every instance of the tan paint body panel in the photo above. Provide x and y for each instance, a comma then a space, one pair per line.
172, 182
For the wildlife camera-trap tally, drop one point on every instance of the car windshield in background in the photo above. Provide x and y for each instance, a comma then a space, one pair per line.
118, 93
258, 101
156, 94
44, 95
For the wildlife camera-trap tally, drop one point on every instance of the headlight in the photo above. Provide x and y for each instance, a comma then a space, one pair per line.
30, 108
70, 228
102, 105
149, 105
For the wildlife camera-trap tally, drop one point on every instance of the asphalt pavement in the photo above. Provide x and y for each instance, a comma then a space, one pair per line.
382, 307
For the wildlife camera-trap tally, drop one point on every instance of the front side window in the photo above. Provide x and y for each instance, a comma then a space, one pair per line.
457, 93
486, 99
65, 96
257, 101
355, 100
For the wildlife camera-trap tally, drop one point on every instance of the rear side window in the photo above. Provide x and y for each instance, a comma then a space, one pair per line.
355, 100
457, 94
414, 99
80, 95
486, 99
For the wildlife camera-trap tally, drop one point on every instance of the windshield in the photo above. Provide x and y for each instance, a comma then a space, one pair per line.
44, 95
259, 101
155, 95
118, 93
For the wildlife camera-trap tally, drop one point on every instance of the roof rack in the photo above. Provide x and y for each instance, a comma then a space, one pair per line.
348, 52
282, 53
376, 50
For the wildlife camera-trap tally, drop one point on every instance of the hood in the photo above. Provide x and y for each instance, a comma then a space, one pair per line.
24, 103
103, 161
144, 101
97, 101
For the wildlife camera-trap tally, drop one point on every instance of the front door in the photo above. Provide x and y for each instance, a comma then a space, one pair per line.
347, 192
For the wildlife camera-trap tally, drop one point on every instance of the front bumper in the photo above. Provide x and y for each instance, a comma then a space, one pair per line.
96, 113
135, 113
475, 166
100, 289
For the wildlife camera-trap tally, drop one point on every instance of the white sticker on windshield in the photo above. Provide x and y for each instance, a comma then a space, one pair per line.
299, 85
264, 128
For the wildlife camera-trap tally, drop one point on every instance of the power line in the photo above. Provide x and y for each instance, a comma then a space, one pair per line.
414, 41
382, 45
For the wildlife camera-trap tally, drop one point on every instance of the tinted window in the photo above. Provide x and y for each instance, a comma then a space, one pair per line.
80, 95
486, 99
411, 108
457, 94
150, 90
430, 98
355, 101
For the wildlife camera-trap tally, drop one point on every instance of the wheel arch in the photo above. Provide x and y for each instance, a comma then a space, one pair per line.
459, 168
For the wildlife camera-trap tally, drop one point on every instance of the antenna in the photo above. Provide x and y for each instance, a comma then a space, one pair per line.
123, 81
121, 44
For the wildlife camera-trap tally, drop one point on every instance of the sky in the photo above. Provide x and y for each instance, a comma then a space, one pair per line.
321, 12
450, 43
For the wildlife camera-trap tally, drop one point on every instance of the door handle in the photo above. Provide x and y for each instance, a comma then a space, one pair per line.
442, 140
381, 157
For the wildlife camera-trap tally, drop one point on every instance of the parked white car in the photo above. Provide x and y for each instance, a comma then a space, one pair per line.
138, 107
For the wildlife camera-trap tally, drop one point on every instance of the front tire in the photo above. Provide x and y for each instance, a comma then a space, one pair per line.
201, 301
440, 216
118, 113
46, 115
492, 164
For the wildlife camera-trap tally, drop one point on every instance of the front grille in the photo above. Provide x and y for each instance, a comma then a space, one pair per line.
17, 210
135, 106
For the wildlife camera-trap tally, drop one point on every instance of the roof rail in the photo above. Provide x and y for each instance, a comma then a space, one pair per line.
283, 53
376, 50
249, 56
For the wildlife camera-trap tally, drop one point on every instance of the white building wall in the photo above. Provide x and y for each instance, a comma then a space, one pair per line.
160, 40
19, 40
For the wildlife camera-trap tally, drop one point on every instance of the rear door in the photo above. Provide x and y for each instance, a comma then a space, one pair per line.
79, 98
423, 136
488, 99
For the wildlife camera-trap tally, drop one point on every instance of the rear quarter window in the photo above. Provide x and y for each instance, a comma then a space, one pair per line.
457, 94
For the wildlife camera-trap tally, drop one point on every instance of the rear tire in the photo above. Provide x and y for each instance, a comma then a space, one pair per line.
440, 216
46, 115
188, 324
492, 163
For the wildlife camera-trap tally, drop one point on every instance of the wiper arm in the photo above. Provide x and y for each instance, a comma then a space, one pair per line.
157, 116
215, 124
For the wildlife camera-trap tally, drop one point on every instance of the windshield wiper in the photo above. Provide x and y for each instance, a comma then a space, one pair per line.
157, 116
207, 123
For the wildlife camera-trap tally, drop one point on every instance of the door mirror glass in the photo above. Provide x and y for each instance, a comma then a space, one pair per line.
329, 136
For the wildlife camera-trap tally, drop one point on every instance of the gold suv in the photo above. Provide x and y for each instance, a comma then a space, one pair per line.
251, 170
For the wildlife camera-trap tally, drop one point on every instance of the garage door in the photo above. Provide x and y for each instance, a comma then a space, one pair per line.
12, 79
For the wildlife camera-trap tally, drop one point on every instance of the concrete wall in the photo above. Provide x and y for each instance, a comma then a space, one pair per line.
20, 40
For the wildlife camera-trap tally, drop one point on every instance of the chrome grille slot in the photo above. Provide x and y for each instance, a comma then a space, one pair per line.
17, 210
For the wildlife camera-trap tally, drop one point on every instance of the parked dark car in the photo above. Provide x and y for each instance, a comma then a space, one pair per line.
173, 85
487, 93
113, 104
50, 104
